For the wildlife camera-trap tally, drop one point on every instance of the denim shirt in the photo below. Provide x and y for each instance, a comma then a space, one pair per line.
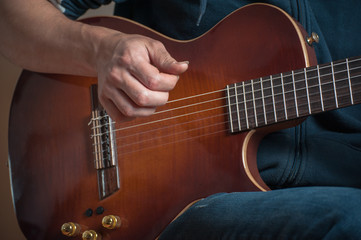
326, 148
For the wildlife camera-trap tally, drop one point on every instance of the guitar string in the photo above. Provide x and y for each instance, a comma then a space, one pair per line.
149, 146
249, 84
188, 131
257, 115
251, 108
231, 104
251, 116
177, 116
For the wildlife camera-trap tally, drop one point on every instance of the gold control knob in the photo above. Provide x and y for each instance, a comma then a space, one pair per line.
111, 222
91, 235
313, 38
70, 229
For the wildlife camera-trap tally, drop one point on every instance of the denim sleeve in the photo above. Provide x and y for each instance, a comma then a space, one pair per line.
73, 9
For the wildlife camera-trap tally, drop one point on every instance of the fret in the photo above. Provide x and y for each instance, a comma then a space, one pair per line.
301, 93
313, 90
334, 84
245, 104
229, 103
263, 102
342, 80
295, 93
326, 80
251, 114
258, 102
283, 95
289, 93
254, 105
241, 107
237, 107
273, 99
355, 75
349, 80
320, 87
307, 92
268, 99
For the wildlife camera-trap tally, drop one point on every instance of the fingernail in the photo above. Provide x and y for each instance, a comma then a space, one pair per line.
184, 62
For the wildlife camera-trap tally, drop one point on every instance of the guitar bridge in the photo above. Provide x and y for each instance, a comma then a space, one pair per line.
104, 147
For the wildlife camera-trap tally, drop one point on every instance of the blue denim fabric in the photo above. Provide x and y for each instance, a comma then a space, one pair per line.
297, 213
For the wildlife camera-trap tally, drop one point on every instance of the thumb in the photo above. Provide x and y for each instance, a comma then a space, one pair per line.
165, 63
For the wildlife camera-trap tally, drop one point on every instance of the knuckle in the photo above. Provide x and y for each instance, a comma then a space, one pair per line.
157, 44
128, 111
142, 99
113, 75
125, 59
153, 82
116, 78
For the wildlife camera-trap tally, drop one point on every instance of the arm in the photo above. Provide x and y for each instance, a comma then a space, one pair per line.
36, 36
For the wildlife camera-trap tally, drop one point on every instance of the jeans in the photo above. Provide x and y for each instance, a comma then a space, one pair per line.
294, 213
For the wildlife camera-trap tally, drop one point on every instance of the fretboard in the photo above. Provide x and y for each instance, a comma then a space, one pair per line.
291, 95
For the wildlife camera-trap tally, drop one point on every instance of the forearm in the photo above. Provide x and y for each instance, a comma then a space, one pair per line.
135, 73
36, 36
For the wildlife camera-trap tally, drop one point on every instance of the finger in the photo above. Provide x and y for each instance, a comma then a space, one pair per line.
140, 94
114, 112
152, 78
162, 60
126, 106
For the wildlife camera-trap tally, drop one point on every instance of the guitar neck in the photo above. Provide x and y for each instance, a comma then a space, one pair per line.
291, 95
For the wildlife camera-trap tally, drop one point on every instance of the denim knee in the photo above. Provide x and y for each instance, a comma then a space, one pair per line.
296, 213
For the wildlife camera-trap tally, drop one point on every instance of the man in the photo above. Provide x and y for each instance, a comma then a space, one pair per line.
135, 75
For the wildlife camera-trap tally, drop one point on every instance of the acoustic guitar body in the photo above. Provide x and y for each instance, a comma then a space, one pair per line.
165, 162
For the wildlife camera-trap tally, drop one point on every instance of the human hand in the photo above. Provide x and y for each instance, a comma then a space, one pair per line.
135, 75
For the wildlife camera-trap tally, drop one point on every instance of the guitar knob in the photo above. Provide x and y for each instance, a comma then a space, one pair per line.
91, 235
313, 38
111, 222
70, 229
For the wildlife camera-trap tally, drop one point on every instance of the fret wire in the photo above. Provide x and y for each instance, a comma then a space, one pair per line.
332, 90
334, 84
294, 92
319, 82
292, 72
284, 98
332, 97
320, 86
229, 108
349, 80
254, 104
356, 76
308, 95
264, 106
245, 105
273, 99
238, 118
350, 61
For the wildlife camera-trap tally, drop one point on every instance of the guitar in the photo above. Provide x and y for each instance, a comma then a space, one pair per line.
74, 169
